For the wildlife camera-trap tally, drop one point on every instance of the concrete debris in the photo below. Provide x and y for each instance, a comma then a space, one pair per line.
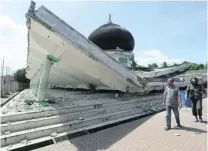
24, 141
153, 109
51, 101
47, 115
182, 79
40, 104
27, 108
27, 95
29, 102
81, 118
68, 99
4, 112
54, 134
9, 147
7, 132
176, 134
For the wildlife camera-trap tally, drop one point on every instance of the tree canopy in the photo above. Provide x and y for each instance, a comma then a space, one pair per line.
19, 75
194, 66
154, 65
175, 64
164, 64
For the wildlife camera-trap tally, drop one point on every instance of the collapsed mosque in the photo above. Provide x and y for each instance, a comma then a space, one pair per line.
79, 84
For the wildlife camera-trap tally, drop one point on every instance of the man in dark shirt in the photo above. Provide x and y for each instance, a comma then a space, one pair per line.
194, 91
172, 101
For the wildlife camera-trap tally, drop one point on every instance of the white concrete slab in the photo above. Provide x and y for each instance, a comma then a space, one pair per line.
81, 61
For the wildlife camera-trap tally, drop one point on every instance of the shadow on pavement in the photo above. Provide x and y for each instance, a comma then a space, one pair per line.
191, 129
205, 122
103, 139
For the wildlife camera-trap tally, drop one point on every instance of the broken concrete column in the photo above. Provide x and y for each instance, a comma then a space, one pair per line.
44, 79
32, 84
34, 78
37, 82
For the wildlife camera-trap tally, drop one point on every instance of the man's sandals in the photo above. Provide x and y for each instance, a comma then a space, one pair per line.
196, 120
200, 120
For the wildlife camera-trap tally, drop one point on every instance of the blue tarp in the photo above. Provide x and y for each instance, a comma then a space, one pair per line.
183, 100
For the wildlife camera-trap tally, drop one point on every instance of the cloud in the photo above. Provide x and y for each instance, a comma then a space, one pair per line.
154, 56
13, 43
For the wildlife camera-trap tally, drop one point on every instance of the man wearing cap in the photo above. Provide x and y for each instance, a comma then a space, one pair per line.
172, 101
195, 91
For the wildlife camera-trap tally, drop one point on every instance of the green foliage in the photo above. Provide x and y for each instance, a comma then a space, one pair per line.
153, 65
191, 66
201, 66
194, 66
188, 66
164, 64
134, 64
20, 76
175, 64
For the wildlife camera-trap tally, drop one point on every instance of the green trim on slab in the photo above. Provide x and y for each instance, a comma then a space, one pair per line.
52, 58
40, 104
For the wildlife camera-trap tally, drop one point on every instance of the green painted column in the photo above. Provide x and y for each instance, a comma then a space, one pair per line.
45, 76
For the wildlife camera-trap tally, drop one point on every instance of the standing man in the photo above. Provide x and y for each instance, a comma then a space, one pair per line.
172, 101
194, 91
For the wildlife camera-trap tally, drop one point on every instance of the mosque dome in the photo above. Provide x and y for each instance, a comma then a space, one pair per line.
111, 36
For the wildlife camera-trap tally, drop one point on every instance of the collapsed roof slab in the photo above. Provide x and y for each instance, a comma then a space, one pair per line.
81, 61
162, 71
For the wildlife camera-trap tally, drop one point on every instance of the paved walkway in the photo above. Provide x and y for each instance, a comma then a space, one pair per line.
145, 134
